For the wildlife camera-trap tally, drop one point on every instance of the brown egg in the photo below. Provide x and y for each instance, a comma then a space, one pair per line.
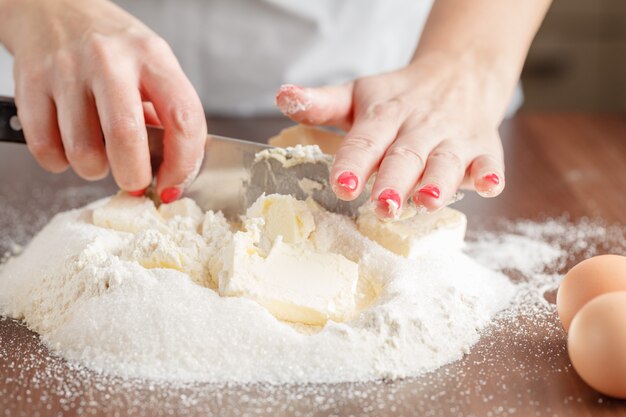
597, 343
587, 280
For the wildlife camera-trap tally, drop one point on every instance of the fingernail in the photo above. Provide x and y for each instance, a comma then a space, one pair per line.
138, 193
493, 178
348, 180
431, 190
390, 201
170, 194
292, 99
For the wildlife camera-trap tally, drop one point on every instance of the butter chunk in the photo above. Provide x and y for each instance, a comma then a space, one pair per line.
293, 283
126, 213
414, 235
185, 207
284, 216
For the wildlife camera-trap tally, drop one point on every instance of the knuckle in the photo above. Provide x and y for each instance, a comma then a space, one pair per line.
393, 110
450, 158
362, 143
152, 44
407, 153
188, 121
28, 78
124, 130
87, 154
64, 62
99, 46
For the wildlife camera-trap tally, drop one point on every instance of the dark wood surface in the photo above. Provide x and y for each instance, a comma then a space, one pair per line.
556, 164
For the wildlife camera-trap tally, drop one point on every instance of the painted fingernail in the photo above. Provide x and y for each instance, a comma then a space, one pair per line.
390, 201
348, 181
493, 178
170, 194
431, 190
138, 193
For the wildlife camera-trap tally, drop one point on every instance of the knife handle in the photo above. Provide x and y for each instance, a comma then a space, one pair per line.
10, 128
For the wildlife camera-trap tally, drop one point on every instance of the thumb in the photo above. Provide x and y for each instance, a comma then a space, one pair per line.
329, 106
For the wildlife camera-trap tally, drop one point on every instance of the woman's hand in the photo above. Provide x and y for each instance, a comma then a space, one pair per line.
86, 68
432, 126
427, 129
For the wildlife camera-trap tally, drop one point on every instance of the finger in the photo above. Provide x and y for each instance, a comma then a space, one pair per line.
150, 115
38, 118
121, 116
487, 175
399, 171
329, 106
81, 134
180, 111
445, 169
363, 147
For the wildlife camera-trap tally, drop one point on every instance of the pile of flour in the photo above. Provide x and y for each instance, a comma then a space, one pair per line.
82, 288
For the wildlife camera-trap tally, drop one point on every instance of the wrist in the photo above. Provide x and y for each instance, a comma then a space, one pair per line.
8, 15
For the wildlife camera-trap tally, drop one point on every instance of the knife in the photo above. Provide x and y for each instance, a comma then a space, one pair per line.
231, 176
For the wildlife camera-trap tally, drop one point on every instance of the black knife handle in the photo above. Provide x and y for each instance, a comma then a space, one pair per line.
10, 128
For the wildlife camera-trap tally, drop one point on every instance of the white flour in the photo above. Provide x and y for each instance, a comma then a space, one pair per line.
81, 288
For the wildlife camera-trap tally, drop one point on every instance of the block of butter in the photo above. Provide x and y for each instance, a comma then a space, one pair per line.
414, 235
288, 277
293, 283
283, 216
185, 207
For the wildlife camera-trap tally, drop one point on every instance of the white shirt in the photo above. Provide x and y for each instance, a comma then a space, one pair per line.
238, 52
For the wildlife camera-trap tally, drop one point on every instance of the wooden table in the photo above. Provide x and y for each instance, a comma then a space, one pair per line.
556, 163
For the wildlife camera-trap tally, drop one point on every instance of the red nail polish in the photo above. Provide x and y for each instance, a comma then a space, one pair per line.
138, 193
492, 178
348, 180
392, 195
431, 190
170, 194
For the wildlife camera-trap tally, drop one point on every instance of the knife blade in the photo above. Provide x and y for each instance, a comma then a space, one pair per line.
231, 177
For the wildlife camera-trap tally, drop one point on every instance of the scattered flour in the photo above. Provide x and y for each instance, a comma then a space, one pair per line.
42, 383
139, 304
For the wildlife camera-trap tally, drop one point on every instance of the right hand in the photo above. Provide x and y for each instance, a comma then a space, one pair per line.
84, 68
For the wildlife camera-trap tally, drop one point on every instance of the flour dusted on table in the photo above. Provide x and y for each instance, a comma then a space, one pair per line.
138, 297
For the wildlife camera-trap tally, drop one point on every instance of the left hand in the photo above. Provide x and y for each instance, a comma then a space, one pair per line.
427, 129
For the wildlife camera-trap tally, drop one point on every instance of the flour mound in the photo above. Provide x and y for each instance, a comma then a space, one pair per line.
106, 299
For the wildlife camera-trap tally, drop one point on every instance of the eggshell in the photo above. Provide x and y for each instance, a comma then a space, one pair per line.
597, 343
587, 280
